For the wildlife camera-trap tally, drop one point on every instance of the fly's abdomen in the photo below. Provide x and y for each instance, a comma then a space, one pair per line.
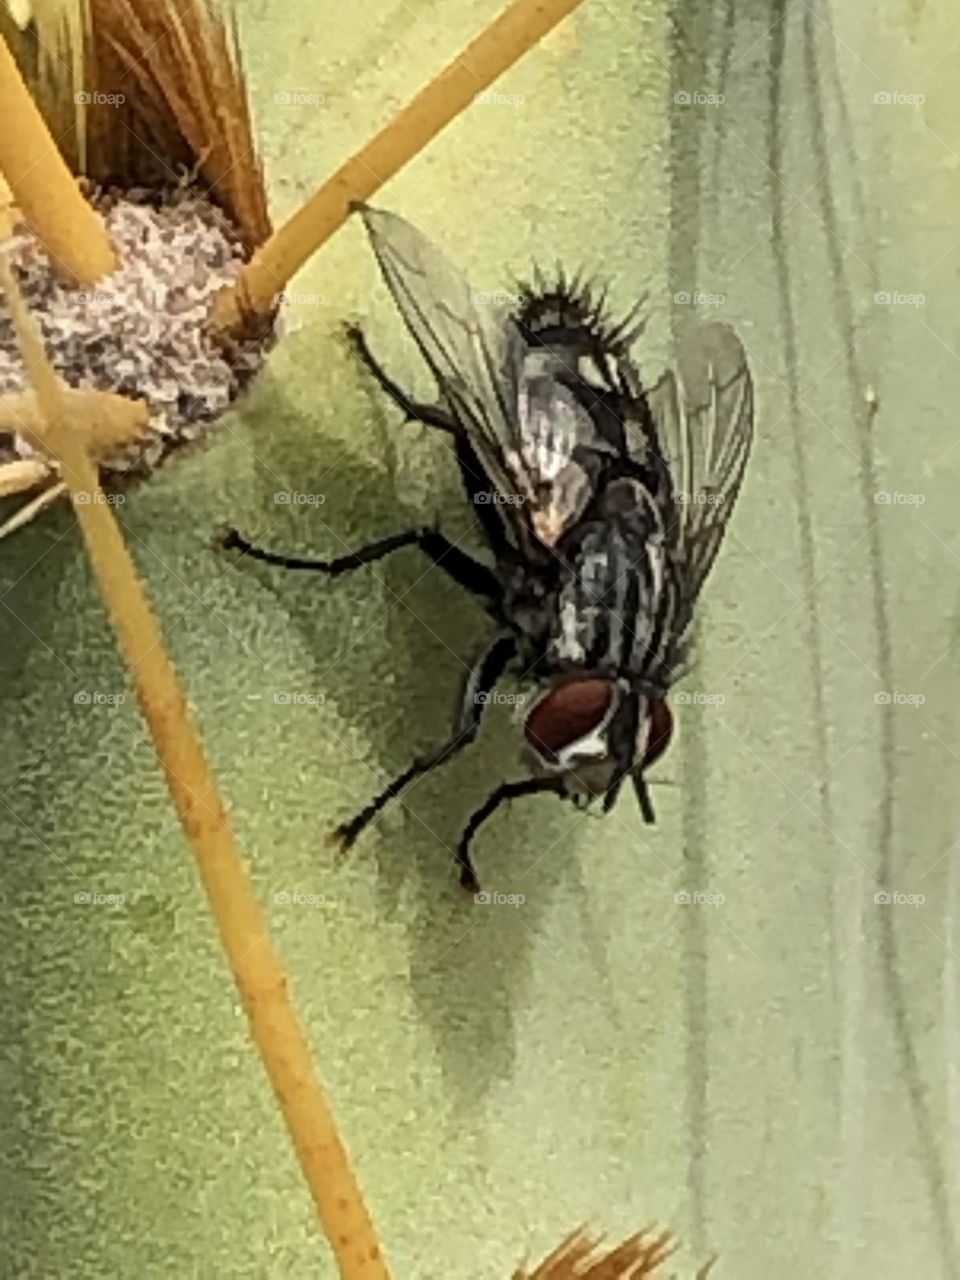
611, 589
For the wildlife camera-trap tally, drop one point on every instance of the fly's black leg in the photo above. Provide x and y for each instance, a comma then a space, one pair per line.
479, 490
622, 737
462, 568
231, 540
643, 798
475, 479
483, 676
506, 791
429, 414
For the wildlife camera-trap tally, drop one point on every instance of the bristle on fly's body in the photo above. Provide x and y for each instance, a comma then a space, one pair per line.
573, 312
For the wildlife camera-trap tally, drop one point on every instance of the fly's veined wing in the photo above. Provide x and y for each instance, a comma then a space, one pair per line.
475, 353
704, 419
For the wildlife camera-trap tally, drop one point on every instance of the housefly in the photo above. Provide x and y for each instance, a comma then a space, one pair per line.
603, 501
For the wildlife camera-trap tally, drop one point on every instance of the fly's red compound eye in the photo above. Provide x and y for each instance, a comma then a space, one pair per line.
660, 733
571, 709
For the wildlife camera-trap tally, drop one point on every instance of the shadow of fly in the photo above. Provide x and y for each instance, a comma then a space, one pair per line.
603, 501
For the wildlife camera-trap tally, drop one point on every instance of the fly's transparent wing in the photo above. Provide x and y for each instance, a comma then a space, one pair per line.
475, 352
703, 416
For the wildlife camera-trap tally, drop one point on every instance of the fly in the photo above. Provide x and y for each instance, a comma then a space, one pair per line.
602, 500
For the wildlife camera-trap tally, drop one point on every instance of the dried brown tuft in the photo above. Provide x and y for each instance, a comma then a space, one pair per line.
580, 1257
184, 111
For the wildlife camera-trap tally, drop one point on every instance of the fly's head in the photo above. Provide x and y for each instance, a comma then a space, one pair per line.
592, 730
